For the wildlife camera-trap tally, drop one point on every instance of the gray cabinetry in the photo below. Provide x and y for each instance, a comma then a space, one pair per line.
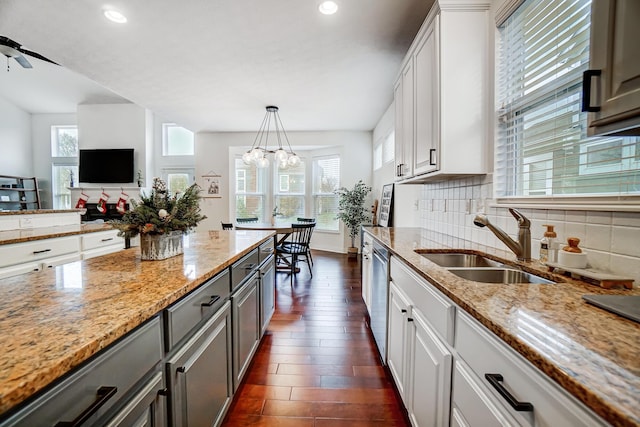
199, 374
246, 326
267, 292
146, 408
106, 384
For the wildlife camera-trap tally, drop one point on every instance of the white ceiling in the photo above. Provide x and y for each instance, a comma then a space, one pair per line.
213, 65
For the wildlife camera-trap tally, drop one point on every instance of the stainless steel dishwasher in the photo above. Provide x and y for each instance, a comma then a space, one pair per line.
380, 298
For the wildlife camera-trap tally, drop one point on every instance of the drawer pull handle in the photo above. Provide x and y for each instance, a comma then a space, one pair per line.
107, 240
42, 251
213, 300
181, 369
249, 266
496, 381
410, 319
163, 392
103, 394
404, 310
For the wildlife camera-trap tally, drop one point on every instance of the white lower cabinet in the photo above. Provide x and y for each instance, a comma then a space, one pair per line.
397, 338
419, 361
451, 370
429, 374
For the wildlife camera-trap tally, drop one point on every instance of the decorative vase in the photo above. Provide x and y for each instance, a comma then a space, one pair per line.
155, 247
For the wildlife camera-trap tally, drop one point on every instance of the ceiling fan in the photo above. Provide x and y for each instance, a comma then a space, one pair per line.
12, 49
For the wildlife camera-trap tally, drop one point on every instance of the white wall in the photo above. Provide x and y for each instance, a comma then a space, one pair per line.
15, 140
406, 197
213, 155
115, 126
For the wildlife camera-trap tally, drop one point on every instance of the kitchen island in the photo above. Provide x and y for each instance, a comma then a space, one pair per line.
54, 320
592, 354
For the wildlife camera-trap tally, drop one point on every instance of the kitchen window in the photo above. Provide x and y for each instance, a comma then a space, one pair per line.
290, 193
64, 164
178, 179
250, 194
543, 148
326, 179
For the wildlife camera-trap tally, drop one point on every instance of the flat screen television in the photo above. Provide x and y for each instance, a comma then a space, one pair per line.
106, 166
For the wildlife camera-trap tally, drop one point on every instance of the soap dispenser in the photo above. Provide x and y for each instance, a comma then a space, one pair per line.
547, 247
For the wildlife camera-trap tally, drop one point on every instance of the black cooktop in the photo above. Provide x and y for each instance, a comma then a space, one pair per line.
624, 305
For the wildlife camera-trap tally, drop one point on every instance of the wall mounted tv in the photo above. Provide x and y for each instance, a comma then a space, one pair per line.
106, 166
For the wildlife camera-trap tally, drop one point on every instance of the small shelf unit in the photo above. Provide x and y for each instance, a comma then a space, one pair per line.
19, 193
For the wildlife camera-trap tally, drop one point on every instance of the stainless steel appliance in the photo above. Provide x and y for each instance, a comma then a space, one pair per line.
380, 297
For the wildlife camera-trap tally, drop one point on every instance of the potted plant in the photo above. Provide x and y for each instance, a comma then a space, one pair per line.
161, 219
352, 212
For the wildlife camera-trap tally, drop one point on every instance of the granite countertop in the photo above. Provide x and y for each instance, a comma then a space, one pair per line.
591, 353
53, 320
29, 234
39, 211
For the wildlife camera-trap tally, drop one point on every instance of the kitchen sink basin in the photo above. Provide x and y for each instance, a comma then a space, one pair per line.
499, 275
460, 260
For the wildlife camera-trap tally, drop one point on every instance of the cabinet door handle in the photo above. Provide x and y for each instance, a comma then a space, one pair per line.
107, 240
103, 394
403, 310
496, 381
181, 369
432, 151
409, 319
213, 300
587, 76
42, 251
163, 392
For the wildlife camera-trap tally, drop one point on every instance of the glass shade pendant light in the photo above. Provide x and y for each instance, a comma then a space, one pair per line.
283, 156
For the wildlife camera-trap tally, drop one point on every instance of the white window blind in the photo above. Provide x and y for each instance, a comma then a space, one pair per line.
542, 145
326, 179
289, 192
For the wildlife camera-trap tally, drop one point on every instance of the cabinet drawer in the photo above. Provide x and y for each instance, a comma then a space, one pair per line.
485, 354
438, 310
19, 253
15, 270
111, 374
200, 304
101, 239
267, 248
243, 268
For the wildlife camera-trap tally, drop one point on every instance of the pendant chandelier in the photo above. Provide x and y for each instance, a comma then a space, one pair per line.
258, 152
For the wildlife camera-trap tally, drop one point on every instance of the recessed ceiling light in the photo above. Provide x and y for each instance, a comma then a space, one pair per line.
115, 16
328, 7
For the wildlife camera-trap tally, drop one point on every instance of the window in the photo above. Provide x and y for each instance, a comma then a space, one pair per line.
388, 148
326, 179
177, 179
64, 141
543, 148
377, 157
250, 191
176, 140
64, 164
290, 193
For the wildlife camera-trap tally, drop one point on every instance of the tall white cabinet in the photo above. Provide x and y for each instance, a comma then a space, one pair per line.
442, 95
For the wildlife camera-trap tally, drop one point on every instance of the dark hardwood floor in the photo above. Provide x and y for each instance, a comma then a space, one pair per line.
317, 364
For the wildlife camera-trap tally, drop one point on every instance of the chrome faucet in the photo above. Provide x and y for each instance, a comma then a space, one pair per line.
522, 248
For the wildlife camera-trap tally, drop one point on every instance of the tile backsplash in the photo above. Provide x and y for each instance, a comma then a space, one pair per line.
610, 239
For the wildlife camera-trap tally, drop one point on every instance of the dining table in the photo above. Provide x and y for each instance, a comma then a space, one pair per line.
282, 232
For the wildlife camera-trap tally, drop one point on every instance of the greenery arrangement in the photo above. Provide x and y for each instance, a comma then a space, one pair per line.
160, 212
351, 208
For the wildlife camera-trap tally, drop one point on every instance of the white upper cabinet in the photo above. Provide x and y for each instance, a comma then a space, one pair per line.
443, 96
612, 84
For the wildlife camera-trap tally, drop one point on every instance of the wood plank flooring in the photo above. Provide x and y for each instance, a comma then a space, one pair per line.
317, 365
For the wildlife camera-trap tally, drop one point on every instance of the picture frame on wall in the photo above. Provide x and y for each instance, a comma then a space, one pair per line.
211, 184
386, 206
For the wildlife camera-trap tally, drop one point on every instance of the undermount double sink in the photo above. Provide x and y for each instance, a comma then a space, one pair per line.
481, 269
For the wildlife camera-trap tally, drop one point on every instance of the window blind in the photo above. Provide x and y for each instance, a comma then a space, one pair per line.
543, 149
326, 179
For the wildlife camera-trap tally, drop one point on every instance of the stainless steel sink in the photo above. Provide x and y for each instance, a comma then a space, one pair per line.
499, 275
460, 260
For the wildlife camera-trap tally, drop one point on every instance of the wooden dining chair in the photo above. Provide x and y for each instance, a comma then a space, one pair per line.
308, 221
298, 246
226, 225
247, 220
